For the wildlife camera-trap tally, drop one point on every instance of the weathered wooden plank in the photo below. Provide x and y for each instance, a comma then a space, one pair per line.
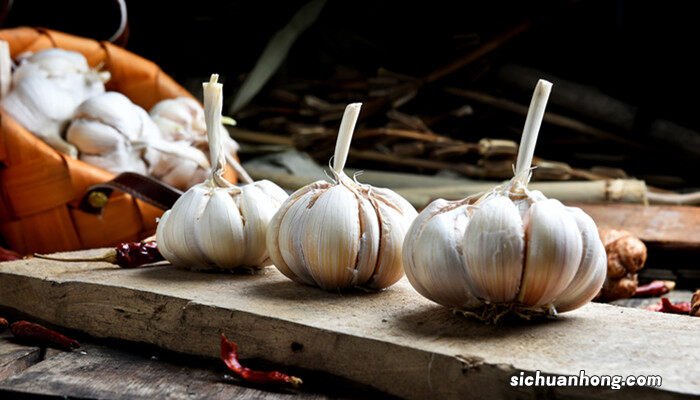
15, 358
97, 372
395, 340
663, 226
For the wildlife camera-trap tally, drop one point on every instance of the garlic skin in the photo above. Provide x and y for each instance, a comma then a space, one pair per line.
47, 88
216, 225
342, 234
509, 251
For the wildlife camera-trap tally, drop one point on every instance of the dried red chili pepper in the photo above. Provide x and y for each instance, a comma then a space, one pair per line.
229, 354
8, 255
655, 288
125, 255
666, 306
40, 335
3, 324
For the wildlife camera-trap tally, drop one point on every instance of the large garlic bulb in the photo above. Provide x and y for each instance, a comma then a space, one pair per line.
47, 88
512, 250
341, 234
216, 225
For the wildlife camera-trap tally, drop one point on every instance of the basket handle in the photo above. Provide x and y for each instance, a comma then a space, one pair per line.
139, 186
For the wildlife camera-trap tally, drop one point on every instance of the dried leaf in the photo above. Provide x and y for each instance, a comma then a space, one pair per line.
275, 52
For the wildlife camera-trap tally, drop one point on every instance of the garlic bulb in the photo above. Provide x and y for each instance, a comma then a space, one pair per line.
109, 130
512, 250
341, 234
216, 225
47, 88
181, 118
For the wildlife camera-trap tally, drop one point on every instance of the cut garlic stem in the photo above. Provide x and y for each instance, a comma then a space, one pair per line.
213, 104
5, 68
535, 114
242, 173
342, 145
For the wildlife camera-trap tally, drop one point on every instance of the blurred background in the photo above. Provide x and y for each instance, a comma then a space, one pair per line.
436, 78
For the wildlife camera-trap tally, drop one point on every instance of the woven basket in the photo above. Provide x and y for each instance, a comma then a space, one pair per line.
40, 188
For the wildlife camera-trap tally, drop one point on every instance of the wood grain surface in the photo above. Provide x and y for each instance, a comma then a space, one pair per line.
395, 341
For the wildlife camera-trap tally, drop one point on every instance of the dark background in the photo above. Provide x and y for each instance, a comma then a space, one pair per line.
640, 52
643, 53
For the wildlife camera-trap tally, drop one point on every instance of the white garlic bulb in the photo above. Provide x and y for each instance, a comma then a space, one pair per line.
341, 234
109, 131
216, 225
47, 87
513, 250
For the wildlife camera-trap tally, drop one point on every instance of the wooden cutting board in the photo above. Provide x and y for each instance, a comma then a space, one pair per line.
395, 341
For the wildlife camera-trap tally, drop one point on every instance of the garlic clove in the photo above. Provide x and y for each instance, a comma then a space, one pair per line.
254, 204
179, 231
163, 246
553, 253
281, 249
330, 237
591, 272
220, 233
493, 246
93, 137
272, 190
369, 243
395, 216
433, 256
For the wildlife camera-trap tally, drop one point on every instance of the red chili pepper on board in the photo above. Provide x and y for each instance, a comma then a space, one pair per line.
136, 254
666, 306
8, 255
40, 335
229, 354
125, 255
655, 288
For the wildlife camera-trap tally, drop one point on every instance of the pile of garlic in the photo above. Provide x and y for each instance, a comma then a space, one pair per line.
216, 225
58, 97
511, 251
341, 234
46, 89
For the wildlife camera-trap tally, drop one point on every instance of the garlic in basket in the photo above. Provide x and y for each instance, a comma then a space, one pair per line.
513, 250
47, 87
115, 134
182, 119
341, 234
216, 225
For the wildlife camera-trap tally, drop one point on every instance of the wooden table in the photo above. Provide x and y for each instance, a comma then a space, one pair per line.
395, 341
